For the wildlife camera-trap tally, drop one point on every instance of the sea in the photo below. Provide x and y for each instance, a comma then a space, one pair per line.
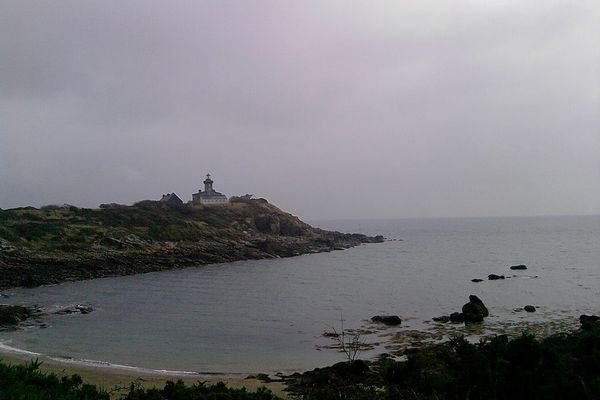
270, 316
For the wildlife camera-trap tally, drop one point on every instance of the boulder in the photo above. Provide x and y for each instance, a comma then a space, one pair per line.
529, 308
443, 318
476, 280
474, 310
518, 267
588, 318
387, 319
588, 321
494, 277
12, 315
457, 317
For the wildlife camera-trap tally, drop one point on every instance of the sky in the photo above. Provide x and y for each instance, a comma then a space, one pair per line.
328, 109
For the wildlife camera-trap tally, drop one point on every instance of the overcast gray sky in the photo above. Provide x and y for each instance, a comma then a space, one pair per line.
329, 109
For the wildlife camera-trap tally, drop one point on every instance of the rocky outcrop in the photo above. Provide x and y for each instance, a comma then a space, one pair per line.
13, 315
73, 244
474, 311
494, 277
529, 308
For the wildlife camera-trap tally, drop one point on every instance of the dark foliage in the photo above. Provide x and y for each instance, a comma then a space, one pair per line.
200, 391
27, 382
565, 366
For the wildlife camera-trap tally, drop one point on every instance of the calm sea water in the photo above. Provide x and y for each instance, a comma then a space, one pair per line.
269, 315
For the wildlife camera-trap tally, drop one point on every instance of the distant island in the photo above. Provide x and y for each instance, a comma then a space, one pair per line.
64, 243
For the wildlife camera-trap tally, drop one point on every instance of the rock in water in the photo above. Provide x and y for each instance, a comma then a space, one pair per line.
387, 319
457, 317
443, 318
529, 308
477, 301
476, 280
474, 310
494, 277
520, 266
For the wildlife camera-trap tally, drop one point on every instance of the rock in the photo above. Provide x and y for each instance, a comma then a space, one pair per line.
331, 334
12, 315
588, 321
476, 280
387, 319
588, 318
443, 318
457, 317
518, 267
494, 277
477, 301
474, 310
84, 309
529, 308
78, 308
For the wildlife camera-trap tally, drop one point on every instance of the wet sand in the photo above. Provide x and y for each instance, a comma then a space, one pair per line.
117, 380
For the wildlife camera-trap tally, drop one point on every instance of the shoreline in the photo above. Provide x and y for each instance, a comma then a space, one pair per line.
117, 379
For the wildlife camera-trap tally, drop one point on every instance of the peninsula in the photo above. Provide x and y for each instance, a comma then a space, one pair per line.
57, 244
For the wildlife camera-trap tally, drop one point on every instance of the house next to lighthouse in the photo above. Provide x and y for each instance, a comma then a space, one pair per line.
209, 195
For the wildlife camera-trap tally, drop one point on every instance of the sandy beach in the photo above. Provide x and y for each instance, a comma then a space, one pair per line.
117, 380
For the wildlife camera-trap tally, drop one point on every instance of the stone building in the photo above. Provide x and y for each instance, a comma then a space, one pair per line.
209, 195
171, 198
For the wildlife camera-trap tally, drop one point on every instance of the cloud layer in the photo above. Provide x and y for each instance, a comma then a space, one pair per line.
331, 109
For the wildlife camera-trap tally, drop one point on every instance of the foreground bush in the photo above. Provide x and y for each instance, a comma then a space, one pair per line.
565, 366
27, 382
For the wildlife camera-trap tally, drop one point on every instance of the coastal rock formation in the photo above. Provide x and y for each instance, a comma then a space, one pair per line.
443, 318
474, 311
529, 308
476, 280
518, 267
13, 315
391, 320
494, 277
65, 244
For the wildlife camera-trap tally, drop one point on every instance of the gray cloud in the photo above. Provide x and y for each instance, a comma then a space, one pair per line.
395, 109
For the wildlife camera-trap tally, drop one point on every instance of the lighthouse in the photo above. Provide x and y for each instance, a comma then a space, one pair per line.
209, 195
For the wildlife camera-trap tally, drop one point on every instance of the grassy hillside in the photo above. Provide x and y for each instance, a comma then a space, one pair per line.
57, 244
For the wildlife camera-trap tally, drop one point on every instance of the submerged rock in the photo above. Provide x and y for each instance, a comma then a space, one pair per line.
494, 277
443, 318
76, 309
529, 308
518, 267
476, 280
387, 319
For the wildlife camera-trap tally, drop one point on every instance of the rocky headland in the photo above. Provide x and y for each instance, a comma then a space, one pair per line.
57, 244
